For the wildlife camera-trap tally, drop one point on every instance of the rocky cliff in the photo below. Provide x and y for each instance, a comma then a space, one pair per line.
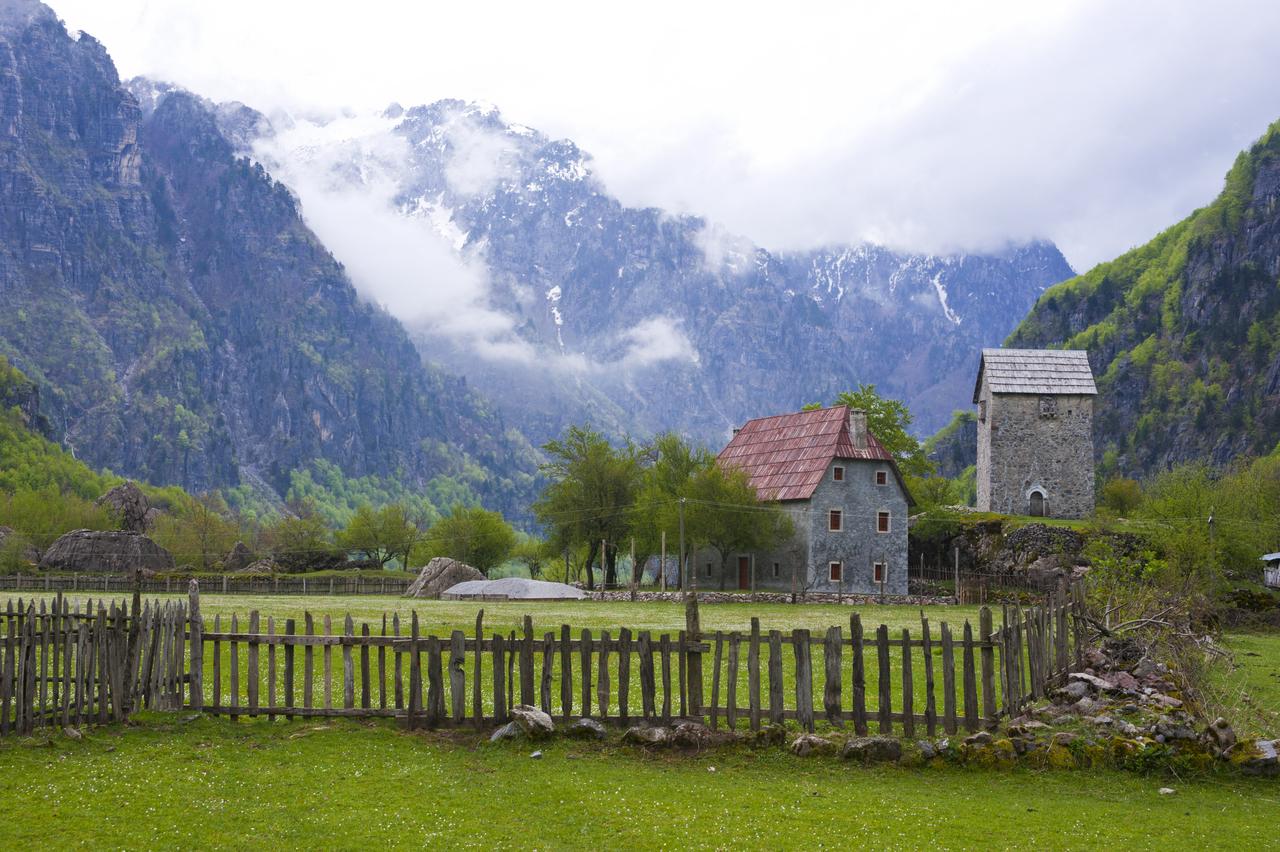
1183, 333
183, 322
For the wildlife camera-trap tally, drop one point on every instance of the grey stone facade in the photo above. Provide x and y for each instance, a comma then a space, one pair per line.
1035, 444
804, 561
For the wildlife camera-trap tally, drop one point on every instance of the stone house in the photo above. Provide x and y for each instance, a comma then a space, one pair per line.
1035, 432
847, 501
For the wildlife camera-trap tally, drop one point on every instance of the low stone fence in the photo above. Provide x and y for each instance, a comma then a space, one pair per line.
768, 597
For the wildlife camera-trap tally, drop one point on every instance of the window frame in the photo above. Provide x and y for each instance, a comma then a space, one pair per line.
777, 570
887, 517
835, 520
882, 476
835, 571
837, 473
879, 571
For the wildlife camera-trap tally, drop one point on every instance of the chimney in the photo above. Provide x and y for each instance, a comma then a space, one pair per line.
735, 432
858, 428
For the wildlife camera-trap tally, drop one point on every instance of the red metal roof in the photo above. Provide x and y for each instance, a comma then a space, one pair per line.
786, 455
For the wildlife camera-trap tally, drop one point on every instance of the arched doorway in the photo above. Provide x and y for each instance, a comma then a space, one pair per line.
1037, 508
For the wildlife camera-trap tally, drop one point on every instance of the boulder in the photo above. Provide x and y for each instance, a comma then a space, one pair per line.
807, 744
587, 729
533, 723
873, 750
1221, 736
980, 738
238, 558
509, 731
439, 575
1262, 758
109, 552
130, 505
1171, 729
646, 736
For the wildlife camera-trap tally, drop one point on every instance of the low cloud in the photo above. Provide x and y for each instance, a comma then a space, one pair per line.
656, 340
724, 251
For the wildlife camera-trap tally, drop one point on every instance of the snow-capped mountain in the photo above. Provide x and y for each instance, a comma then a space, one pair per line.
510, 263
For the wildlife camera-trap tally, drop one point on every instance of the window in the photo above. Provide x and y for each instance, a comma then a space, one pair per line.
837, 571
982, 411
835, 520
777, 569
837, 473
882, 477
708, 569
877, 572
882, 522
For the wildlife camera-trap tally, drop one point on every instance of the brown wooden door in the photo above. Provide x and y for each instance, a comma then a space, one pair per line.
744, 572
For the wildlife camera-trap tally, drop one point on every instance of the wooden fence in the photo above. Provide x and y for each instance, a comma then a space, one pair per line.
227, 584
63, 666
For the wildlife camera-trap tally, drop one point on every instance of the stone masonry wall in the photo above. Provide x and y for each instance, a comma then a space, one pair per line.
812, 549
1020, 450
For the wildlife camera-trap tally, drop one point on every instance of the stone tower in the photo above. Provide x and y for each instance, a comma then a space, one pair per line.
1035, 432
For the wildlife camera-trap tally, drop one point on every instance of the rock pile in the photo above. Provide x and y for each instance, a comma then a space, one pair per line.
130, 505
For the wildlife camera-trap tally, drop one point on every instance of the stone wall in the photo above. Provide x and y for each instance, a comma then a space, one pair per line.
804, 561
1022, 450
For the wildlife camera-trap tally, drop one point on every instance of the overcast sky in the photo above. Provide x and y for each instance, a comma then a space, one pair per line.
921, 126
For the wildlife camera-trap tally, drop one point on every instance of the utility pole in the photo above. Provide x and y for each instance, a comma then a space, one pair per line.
635, 574
1212, 559
681, 573
957, 574
662, 565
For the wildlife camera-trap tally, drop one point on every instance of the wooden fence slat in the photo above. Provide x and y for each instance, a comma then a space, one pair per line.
693, 661
715, 680
435, 683
382, 666
804, 679
776, 697
235, 670
753, 675
327, 663
348, 665
930, 702
457, 676
526, 663
908, 688
290, 629
859, 677
885, 708
548, 663
666, 678
831, 658
414, 707
585, 665
398, 672
308, 661
477, 672
566, 674
366, 694
948, 680
217, 661
624, 673
731, 691
988, 667
271, 669
253, 665
499, 679
648, 687
602, 682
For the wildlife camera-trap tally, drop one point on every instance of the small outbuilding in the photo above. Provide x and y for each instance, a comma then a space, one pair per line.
1271, 572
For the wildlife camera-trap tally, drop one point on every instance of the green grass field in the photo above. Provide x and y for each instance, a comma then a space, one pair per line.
1247, 688
169, 783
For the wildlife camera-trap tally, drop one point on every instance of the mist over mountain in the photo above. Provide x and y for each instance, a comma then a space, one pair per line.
511, 263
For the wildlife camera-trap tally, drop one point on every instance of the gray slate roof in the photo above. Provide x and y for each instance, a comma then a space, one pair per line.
1037, 371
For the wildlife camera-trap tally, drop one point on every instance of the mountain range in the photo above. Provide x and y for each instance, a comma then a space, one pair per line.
208, 296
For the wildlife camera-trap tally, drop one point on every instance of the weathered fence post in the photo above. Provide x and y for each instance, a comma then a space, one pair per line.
693, 635
197, 646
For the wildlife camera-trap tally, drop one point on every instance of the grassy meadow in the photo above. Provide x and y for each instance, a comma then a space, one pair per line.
171, 781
